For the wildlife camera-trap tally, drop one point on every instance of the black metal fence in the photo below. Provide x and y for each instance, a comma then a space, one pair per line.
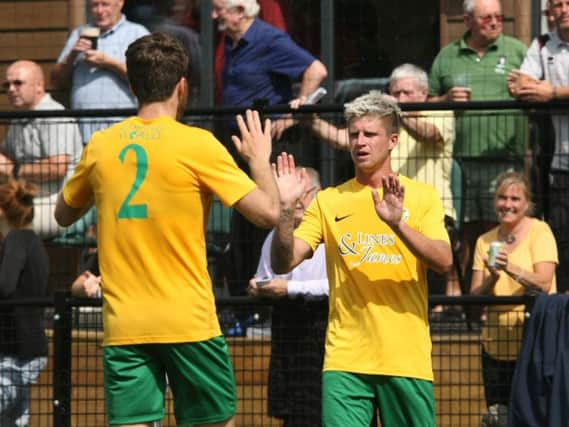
69, 391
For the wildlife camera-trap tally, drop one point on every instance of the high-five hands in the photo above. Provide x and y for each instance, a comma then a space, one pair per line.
291, 180
255, 143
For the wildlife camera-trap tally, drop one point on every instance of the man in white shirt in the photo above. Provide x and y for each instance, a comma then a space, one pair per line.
298, 327
543, 77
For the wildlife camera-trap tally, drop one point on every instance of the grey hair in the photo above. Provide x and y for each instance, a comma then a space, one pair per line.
468, 7
313, 175
374, 103
250, 7
405, 71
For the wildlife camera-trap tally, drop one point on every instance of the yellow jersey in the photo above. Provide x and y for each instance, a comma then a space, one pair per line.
378, 320
152, 182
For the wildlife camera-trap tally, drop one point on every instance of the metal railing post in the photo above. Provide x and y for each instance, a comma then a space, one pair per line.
62, 360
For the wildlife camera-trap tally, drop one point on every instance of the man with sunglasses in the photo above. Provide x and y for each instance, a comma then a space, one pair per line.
40, 150
475, 68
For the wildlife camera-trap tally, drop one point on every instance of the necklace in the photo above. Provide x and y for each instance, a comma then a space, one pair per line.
509, 239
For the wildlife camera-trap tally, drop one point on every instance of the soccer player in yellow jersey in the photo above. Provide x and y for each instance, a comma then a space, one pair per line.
381, 231
152, 180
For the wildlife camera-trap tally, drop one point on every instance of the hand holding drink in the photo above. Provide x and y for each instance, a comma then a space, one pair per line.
461, 91
493, 251
460, 94
91, 34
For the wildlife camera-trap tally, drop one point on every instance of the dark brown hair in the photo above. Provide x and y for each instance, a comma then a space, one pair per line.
155, 64
17, 201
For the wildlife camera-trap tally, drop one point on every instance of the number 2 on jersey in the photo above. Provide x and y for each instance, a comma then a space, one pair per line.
128, 211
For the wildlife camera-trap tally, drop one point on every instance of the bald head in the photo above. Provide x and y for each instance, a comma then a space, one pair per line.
25, 84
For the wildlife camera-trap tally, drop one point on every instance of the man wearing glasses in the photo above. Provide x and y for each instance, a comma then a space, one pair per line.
475, 68
40, 150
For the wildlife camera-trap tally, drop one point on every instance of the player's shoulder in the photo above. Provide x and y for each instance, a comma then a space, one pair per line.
334, 191
191, 129
416, 188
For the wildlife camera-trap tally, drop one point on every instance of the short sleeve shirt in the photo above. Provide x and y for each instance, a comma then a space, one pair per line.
489, 133
428, 162
503, 335
262, 66
551, 62
153, 182
32, 140
378, 321
95, 87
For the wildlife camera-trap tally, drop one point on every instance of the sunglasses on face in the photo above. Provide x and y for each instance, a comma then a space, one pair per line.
6, 85
486, 19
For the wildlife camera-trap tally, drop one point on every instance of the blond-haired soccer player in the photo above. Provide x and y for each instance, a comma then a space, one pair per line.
152, 180
381, 232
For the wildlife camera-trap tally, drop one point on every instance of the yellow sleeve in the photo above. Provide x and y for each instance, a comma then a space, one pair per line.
217, 169
480, 254
544, 247
432, 224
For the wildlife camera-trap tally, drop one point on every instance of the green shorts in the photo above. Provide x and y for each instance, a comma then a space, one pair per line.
350, 399
200, 376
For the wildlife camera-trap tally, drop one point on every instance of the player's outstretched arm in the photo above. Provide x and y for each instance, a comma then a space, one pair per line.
260, 206
287, 251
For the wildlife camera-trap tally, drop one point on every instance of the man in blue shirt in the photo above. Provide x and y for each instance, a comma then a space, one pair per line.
262, 62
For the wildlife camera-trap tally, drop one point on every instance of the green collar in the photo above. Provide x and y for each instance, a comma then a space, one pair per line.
462, 45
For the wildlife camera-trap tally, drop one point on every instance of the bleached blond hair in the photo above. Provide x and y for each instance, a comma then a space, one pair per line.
375, 103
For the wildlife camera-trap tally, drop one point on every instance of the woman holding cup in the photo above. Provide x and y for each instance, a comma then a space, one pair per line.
516, 257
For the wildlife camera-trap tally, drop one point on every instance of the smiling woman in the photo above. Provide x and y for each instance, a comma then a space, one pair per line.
524, 264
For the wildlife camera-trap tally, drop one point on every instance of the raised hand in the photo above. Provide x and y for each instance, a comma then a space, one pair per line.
255, 143
390, 207
290, 179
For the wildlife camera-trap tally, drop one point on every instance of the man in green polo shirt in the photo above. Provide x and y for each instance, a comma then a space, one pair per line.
475, 68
